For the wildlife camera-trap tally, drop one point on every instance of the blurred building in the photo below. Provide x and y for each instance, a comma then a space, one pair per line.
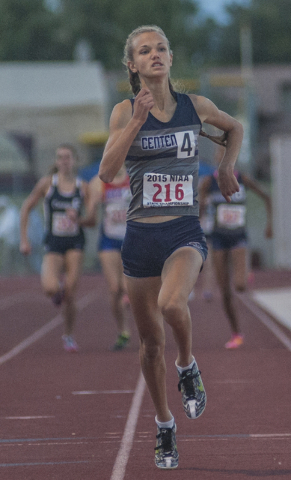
51, 103
15, 163
261, 98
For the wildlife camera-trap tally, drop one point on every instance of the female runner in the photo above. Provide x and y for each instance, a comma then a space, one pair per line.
114, 200
64, 195
156, 135
228, 240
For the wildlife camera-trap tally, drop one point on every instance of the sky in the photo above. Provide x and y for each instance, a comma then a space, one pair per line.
215, 8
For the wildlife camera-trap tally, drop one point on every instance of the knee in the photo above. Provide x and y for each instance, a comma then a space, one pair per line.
50, 288
173, 311
152, 349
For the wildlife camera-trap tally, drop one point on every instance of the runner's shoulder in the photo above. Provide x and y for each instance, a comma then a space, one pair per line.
121, 114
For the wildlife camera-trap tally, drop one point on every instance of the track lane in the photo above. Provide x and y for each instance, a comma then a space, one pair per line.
50, 432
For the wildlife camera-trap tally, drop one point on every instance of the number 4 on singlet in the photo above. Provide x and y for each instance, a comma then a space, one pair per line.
186, 144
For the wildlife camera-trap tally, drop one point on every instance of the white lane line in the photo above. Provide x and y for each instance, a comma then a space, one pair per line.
35, 417
230, 381
270, 435
99, 392
121, 460
276, 302
266, 320
48, 327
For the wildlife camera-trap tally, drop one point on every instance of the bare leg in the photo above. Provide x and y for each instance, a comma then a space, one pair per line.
179, 275
143, 294
239, 262
113, 271
208, 275
51, 272
73, 269
221, 261
155, 297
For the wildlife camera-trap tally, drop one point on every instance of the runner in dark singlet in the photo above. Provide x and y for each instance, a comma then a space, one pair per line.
64, 195
156, 135
229, 241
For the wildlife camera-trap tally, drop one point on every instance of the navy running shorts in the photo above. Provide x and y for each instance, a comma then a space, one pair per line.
54, 244
147, 246
227, 242
106, 243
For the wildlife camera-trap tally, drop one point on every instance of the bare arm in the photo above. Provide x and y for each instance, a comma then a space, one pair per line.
94, 197
123, 129
209, 113
32, 200
255, 187
89, 219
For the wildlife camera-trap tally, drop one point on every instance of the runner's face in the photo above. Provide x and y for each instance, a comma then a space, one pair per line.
151, 55
65, 160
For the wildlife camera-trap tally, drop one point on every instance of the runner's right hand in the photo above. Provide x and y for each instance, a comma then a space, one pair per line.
143, 103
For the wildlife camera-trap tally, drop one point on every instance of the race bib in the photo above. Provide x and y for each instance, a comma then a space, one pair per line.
115, 221
231, 216
63, 226
167, 190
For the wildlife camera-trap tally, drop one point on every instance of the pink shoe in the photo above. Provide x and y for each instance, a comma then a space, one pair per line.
69, 344
235, 342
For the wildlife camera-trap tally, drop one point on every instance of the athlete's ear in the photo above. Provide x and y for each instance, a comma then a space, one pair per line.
132, 67
171, 58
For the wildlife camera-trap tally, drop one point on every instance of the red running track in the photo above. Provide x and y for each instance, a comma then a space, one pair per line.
88, 416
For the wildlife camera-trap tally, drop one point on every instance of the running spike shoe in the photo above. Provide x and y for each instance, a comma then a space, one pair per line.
122, 341
235, 342
193, 393
166, 453
69, 344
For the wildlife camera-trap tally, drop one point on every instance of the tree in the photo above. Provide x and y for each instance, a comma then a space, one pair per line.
105, 24
270, 23
271, 26
29, 31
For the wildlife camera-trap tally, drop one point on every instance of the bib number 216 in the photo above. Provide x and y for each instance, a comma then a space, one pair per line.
167, 190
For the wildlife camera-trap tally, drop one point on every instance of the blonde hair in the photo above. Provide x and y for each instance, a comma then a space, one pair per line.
134, 79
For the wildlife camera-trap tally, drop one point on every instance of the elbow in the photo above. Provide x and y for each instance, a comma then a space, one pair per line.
106, 177
239, 128
106, 173
235, 133
236, 128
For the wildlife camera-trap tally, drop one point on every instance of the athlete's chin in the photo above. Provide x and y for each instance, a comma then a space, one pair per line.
157, 73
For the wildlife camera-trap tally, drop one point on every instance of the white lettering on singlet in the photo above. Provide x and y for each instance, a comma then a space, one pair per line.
184, 141
159, 141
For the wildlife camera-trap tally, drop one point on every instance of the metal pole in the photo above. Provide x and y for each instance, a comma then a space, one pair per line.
246, 49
